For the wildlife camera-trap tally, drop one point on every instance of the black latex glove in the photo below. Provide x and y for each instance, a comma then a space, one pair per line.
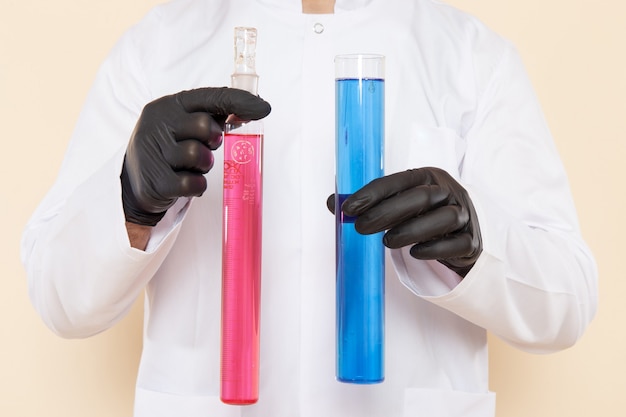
424, 207
172, 147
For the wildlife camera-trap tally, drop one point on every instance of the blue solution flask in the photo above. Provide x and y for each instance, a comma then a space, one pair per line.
360, 282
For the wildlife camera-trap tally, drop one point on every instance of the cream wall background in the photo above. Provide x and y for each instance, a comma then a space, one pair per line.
49, 51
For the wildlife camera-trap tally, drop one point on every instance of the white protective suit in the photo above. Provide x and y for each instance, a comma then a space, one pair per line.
457, 97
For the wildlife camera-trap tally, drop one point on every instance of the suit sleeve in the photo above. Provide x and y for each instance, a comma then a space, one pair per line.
83, 276
535, 284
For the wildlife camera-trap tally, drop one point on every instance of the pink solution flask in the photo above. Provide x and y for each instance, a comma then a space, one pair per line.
241, 239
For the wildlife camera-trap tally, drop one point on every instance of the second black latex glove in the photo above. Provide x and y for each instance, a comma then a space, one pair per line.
172, 147
424, 207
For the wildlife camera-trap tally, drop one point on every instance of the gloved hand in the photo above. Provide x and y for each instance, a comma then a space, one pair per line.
171, 147
422, 207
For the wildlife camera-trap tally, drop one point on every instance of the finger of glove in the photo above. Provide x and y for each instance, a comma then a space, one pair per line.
401, 207
199, 126
330, 203
189, 155
224, 101
183, 184
434, 225
384, 187
452, 248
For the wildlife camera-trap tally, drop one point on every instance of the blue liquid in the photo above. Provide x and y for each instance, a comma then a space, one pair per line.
360, 285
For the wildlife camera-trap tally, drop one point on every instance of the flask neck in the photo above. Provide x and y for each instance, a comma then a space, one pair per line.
248, 82
244, 75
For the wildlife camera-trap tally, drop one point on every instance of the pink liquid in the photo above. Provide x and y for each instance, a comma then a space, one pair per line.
241, 268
